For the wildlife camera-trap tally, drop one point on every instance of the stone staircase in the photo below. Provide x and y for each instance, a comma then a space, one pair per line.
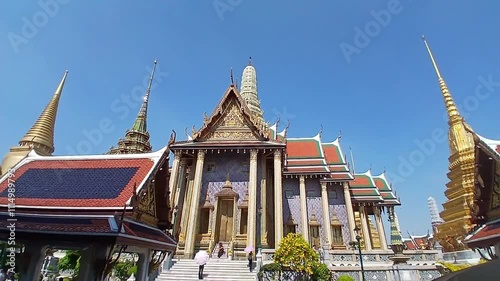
215, 270
215, 251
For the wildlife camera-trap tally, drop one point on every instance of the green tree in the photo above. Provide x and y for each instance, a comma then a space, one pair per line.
296, 254
124, 269
71, 261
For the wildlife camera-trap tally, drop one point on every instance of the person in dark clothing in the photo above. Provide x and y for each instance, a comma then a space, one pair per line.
200, 271
221, 251
250, 261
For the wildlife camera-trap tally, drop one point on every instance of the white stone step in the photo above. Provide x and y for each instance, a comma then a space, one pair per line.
215, 270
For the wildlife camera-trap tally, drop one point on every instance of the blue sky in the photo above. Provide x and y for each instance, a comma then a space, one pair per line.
384, 96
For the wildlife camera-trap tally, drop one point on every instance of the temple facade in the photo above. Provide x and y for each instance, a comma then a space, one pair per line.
242, 182
472, 211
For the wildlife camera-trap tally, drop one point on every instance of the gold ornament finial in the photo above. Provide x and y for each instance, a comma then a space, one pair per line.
232, 79
42, 132
451, 107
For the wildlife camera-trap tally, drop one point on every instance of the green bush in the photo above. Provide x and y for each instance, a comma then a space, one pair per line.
271, 267
321, 272
296, 254
345, 278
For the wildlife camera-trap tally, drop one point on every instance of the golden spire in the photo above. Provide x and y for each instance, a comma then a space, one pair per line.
451, 108
41, 135
140, 123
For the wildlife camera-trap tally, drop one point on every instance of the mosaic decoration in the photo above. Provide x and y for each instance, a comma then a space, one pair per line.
291, 206
313, 187
337, 207
376, 275
429, 275
222, 164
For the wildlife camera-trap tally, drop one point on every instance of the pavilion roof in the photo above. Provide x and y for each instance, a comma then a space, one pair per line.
386, 190
485, 236
100, 227
363, 188
492, 145
96, 182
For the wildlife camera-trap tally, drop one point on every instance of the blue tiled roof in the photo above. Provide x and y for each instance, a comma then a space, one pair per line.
83, 183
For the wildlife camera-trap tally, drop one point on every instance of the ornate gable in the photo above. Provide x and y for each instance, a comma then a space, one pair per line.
232, 121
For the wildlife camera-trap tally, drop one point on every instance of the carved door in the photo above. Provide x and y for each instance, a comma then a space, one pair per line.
226, 220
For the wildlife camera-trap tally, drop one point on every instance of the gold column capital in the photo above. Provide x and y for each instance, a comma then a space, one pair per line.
302, 179
177, 155
323, 186
277, 154
183, 162
346, 185
253, 154
201, 155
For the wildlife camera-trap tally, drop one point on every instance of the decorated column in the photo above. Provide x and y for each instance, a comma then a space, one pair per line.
179, 198
350, 211
278, 199
188, 194
364, 226
326, 214
193, 210
303, 208
174, 178
380, 228
263, 204
252, 199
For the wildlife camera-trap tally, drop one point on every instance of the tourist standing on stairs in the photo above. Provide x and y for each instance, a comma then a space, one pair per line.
221, 251
250, 260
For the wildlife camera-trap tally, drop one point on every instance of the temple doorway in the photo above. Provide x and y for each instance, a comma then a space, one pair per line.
225, 219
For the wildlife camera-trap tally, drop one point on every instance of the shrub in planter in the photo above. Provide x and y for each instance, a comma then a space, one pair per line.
321, 272
295, 254
345, 278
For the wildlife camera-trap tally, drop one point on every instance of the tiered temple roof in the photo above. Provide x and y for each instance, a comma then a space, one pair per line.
117, 191
363, 189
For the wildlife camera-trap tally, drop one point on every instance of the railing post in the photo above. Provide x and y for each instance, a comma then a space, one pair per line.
259, 263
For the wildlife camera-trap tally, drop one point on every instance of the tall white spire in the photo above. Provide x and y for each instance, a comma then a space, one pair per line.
433, 210
248, 90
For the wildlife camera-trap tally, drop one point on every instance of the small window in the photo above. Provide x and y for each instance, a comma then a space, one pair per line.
312, 194
210, 167
332, 194
337, 235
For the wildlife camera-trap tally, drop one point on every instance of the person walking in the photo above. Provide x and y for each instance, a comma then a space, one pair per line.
250, 261
201, 259
3, 277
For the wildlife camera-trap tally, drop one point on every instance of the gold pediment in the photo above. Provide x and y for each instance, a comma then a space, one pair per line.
231, 125
145, 205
